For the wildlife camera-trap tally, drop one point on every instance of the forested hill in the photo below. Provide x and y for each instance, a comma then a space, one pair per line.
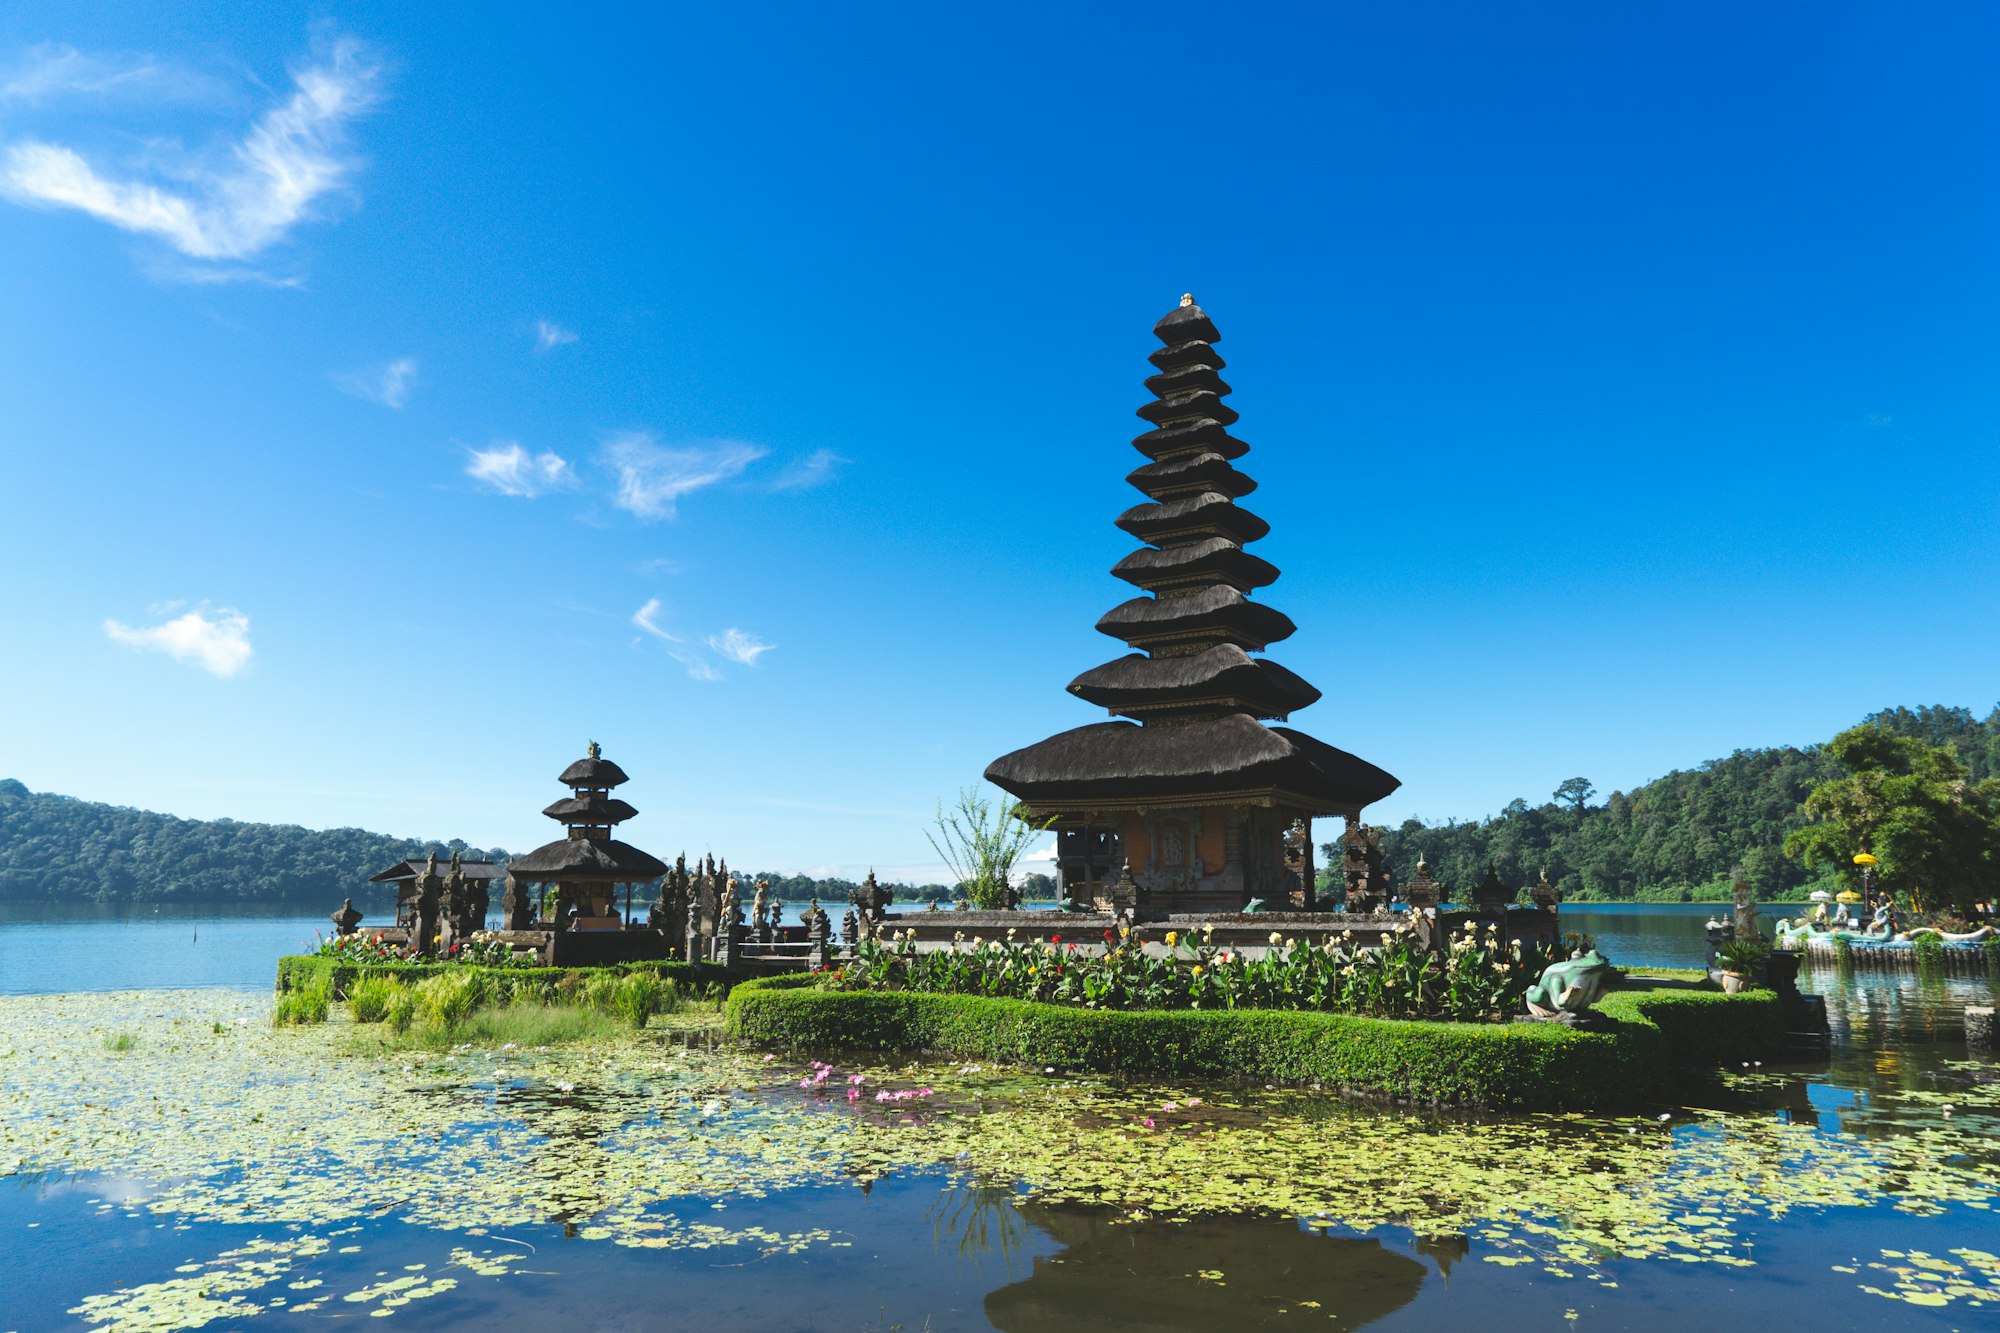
57, 847
1680, 834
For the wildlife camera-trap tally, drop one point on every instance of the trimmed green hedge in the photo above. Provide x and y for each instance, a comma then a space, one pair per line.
298, 971
1464, 1064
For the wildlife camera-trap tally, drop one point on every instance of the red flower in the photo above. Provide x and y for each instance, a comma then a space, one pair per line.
1055, 939
1110, 934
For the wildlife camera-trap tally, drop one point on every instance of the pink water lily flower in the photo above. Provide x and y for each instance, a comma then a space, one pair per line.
854, 1094
1148, 1123
1170, 1106
855, 1079
1194, 1101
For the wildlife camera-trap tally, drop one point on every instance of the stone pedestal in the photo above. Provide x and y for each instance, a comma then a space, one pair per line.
1979, 1025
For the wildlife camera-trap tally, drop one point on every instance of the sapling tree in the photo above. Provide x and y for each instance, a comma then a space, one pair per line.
980, 838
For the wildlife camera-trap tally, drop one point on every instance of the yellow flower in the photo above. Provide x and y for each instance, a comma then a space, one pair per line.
1197, 970
1173, 938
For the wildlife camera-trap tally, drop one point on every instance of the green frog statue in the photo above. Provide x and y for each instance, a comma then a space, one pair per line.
1567, 989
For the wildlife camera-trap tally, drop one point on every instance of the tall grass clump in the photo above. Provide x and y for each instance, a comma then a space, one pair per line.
120, 1041
369, 1000
306, 1003
401, 1011
641, 995
446, 1002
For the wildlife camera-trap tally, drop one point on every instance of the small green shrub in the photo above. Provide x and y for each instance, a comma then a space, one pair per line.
369, 999
1843, 951
401, 1010
1928, 948
119, 1042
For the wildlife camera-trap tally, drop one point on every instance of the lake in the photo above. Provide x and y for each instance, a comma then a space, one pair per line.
176, 1162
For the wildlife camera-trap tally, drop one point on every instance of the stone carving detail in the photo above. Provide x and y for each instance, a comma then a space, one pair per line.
1368, 883
346, 919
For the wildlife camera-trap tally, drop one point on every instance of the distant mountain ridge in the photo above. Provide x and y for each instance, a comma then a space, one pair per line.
59, 848
1679, 836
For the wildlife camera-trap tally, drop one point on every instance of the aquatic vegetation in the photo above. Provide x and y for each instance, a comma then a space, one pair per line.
1476, 977
642, 995
645, 1138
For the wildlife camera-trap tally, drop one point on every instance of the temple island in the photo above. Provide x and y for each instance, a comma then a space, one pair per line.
1189, 806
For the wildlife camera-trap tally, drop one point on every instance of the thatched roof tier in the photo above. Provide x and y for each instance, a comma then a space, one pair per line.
1115, 766
604, 860
1188, 474
595, 810
1190, 405
1212, 560
1185, 323
1222, 679
1186, 379
1217, 614
1190, 518
593, 771
1200, 435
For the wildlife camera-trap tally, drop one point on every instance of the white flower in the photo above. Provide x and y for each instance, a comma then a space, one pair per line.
1276, 938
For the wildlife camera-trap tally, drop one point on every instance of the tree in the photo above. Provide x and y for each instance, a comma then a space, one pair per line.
1575, 792
1935, 834
980, 839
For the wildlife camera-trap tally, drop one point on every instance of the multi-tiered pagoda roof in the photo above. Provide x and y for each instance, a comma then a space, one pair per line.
1197, 698
589, 854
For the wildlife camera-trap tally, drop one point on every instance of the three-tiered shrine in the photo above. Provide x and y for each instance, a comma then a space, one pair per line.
1195, 794
588, 866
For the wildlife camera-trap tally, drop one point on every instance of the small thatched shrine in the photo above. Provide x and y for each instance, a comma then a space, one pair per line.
1196, 795
588, 867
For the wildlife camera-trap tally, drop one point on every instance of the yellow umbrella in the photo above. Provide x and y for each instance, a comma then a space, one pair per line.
1848, 896
1864, 859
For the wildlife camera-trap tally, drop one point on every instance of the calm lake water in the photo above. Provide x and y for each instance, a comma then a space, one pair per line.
174, 1161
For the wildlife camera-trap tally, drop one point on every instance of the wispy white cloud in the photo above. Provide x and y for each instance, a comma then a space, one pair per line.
660, 564
738, 646
51, 70
550, 335
512, 470
217, 641
226, 206
732, 645
653, 478
647, 618
389, 386
816, 469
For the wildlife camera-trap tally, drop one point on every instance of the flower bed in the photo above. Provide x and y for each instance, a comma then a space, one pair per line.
1478, 977
1516, 1065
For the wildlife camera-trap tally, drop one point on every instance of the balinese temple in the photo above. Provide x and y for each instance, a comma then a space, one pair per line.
587, 866
1195, 793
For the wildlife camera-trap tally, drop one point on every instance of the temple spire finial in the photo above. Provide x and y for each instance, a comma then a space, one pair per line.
1187, 299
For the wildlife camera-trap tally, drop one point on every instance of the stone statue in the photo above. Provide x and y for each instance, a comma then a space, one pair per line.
429, 886
1566, 990
850, 928
693, 940
346, 919
1490, 897
732, 905
1423, 891
1124, 891
1746, 910
1543, 894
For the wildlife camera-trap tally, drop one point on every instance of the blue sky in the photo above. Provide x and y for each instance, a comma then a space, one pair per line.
393, 398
